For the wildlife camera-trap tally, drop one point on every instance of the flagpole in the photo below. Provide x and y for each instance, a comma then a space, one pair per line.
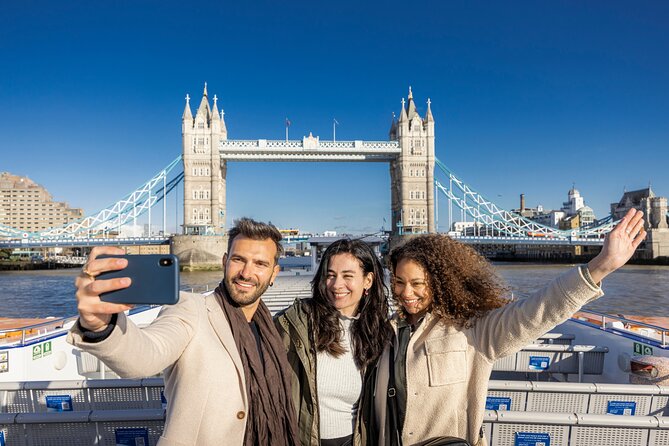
334, 130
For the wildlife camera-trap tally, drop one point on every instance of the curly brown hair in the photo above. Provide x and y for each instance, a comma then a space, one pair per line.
463, 284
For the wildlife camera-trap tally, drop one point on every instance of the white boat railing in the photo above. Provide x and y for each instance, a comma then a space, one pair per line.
21, 336
606, 317
99, 411
29, 334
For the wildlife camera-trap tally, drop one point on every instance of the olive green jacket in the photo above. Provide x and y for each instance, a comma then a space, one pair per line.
294, 326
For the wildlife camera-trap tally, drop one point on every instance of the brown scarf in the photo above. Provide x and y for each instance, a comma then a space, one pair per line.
271, 416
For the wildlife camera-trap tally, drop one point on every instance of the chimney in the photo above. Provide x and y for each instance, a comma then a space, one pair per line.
522, 202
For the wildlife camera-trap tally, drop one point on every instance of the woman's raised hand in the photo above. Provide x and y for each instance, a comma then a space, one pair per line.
619, 245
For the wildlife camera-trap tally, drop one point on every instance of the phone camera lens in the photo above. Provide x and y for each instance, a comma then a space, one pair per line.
165, 262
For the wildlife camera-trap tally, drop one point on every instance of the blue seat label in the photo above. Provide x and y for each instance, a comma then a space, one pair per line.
59, 403
532, 439
621, 407
135, 436
539, 362
498, 403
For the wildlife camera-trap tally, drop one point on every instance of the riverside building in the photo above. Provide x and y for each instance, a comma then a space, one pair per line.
27, 206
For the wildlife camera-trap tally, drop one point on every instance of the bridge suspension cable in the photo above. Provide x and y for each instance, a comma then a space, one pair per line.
124, 211
503, 222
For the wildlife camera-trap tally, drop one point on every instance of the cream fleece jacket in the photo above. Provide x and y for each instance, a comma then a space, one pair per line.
448, 368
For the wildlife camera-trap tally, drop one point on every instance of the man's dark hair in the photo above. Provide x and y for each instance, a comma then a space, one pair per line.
256, 230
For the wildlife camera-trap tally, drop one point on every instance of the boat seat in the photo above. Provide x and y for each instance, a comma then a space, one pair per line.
110, 394
555, 358
511, 428
14, 398
660, 436
633, 398
45, 393
607, 430
569, 429
48, 428
660, 404
568, 397
83, 428
559, 397
144, 423
12, 432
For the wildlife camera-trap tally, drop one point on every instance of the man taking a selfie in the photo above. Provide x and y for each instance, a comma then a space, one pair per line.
227, 378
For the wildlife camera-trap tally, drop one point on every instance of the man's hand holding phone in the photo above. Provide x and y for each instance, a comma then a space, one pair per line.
94, 314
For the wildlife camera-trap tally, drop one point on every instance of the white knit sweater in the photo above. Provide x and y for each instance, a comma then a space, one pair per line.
339, 383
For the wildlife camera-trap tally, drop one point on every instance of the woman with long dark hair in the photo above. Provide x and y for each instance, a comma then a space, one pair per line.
333, 339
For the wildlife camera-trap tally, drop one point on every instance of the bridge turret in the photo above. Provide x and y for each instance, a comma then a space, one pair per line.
224, 128
411, 107
428, 124
428, 113
187, 117
203, 115
392, 134
215, 118
403, 113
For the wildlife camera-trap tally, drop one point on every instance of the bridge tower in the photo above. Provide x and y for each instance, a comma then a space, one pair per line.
204, 171
203, 242
412, 173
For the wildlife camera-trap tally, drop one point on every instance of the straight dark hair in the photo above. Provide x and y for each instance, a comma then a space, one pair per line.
256, 230
371, 331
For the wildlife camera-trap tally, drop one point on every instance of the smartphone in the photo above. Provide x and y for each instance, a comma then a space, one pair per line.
155, 280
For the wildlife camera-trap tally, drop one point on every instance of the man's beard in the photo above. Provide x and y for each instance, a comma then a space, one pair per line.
241, 298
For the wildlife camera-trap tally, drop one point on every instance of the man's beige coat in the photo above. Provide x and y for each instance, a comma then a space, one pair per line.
204, 377
448, 369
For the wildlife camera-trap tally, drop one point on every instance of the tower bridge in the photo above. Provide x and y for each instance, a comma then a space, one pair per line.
207, 152
205, 158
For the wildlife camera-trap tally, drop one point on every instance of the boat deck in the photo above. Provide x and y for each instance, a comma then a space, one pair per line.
8, 323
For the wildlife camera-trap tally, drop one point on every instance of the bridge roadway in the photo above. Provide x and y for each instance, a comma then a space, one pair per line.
82, 242
497, 240
128, 241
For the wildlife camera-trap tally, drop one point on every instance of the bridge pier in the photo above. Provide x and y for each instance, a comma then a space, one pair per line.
199, 252
657, 243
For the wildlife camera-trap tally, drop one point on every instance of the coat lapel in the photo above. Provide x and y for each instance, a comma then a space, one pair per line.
221, 326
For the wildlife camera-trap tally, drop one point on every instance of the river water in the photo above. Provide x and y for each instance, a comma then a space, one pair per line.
632, 290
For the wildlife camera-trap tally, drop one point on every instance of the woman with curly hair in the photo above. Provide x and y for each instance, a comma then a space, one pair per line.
453, 324
333, 339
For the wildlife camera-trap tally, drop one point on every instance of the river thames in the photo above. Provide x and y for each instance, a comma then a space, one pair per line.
632, 290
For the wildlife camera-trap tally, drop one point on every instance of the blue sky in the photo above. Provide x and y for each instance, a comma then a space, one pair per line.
528, 97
